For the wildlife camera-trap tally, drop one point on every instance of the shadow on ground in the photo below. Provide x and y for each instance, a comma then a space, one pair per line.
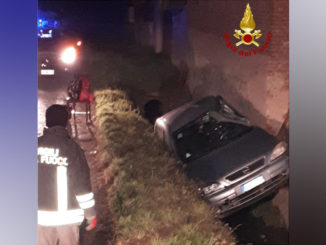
261, 223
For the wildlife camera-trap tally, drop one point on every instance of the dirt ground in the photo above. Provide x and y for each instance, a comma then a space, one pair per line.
51, 91
102, 234
281, 200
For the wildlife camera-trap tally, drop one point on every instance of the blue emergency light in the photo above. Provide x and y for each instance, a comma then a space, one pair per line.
45, 27
47, 24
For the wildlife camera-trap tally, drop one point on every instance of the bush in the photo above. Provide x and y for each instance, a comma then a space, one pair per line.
151, 199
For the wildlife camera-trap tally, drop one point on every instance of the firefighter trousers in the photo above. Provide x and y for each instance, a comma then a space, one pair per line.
58, 235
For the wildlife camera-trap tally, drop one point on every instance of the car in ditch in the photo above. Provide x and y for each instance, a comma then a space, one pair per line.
235, 163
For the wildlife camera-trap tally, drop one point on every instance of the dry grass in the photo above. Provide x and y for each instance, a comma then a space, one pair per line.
151, 199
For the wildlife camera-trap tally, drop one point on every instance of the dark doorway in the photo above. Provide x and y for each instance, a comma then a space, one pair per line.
152, 110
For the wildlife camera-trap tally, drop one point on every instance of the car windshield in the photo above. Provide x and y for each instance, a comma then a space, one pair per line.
205, 134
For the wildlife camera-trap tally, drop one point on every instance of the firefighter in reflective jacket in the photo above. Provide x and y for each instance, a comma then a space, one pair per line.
64, 191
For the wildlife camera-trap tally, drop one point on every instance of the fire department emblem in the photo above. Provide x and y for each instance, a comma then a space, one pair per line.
247, 25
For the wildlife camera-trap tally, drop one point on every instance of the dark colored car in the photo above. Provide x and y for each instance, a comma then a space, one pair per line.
235, 163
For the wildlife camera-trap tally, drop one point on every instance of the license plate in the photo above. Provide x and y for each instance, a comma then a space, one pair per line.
47, 72
252, 184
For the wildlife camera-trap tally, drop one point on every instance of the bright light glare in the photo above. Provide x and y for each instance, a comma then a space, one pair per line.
161, 121
69, 55
79, 43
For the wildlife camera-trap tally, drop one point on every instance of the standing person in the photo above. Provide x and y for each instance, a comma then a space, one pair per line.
64, 191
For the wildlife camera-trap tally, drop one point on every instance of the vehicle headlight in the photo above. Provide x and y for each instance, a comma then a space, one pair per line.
68, 56
278, 150
213, 188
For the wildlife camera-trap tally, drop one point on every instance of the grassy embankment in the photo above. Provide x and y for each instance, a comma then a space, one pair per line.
152, 202
129, 66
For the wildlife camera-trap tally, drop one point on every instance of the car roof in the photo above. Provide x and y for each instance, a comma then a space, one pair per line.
180, 116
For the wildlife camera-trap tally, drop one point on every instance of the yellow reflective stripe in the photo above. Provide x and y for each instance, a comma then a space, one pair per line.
62, 188
87, 204
54, 218
85, 197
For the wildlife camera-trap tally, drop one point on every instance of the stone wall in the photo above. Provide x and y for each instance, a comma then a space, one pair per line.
257, 85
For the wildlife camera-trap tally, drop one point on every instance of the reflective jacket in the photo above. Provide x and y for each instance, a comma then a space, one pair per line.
64, 190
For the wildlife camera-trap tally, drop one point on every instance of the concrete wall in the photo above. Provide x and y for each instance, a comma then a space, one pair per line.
256, 85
